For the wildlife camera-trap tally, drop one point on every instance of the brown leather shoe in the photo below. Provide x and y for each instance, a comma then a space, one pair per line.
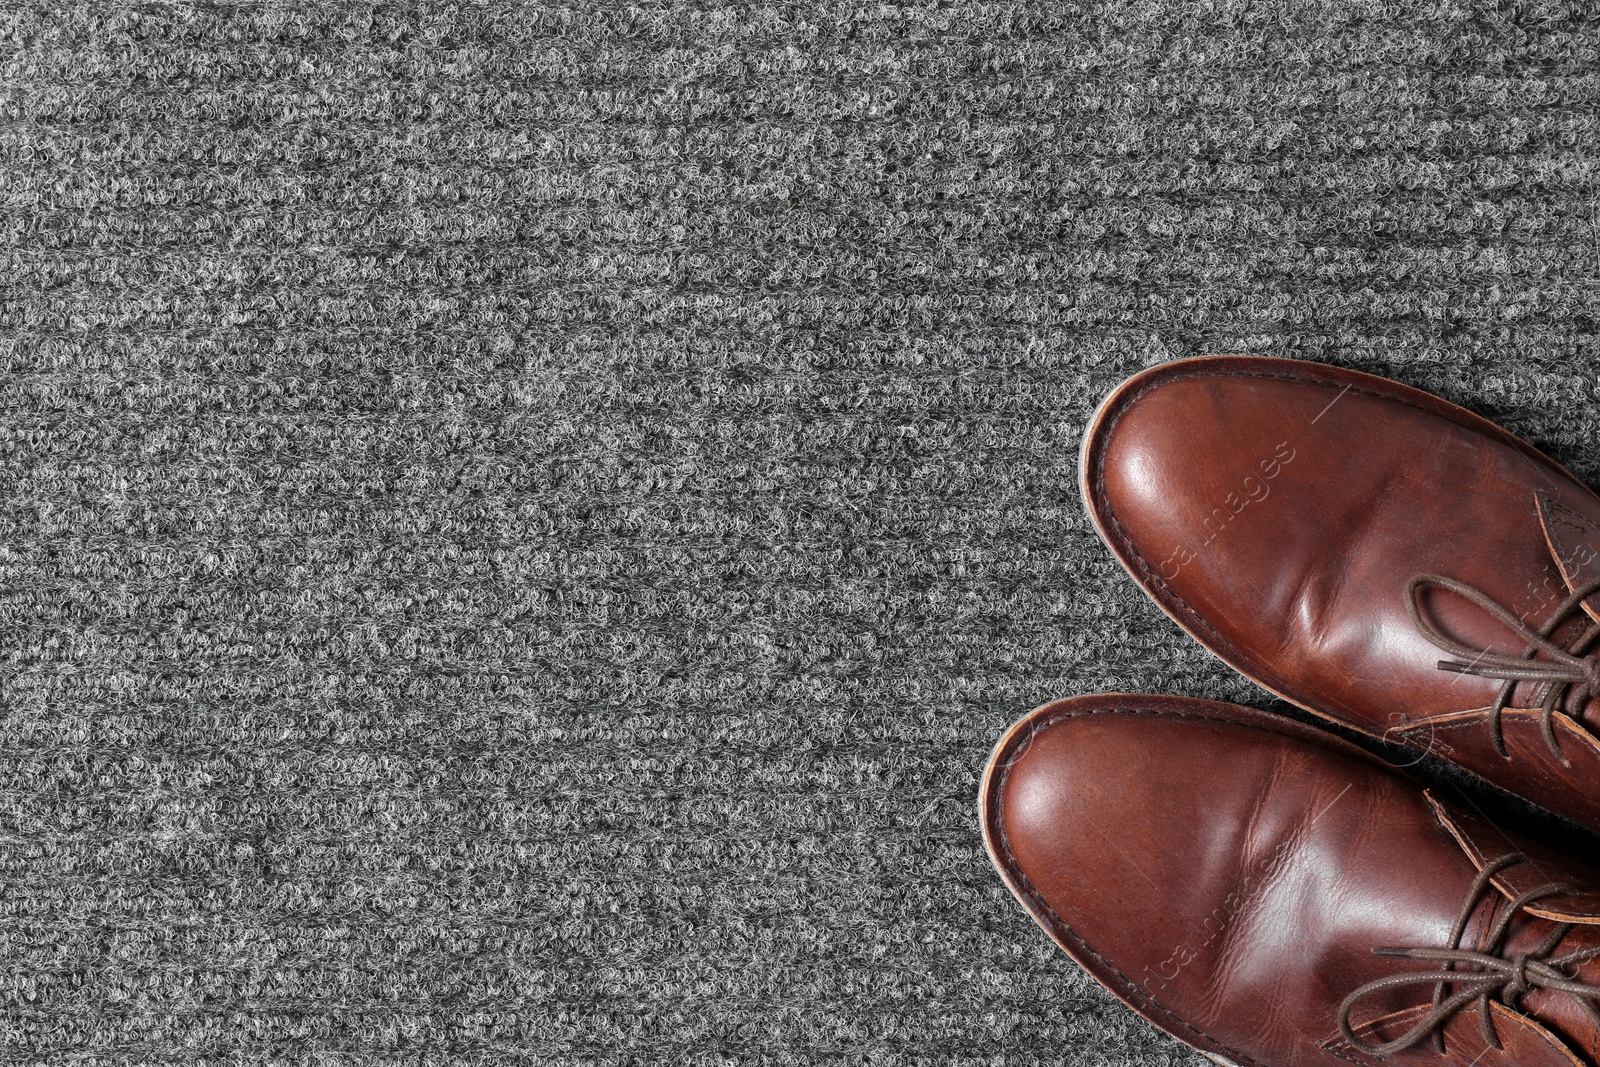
1370, 552
1274, 897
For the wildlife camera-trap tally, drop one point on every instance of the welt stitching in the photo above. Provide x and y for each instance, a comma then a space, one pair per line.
1059, 924
1427, 725
1545, 775
1341, 1050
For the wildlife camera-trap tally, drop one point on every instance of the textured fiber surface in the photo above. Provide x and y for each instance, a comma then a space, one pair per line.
521, 524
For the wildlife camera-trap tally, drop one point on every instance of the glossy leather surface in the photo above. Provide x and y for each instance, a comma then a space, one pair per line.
1278, 511
1227, 873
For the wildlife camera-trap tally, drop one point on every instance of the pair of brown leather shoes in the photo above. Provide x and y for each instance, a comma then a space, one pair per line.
1265, 892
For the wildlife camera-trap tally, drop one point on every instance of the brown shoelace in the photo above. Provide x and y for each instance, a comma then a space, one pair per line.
1482, 976
1568, 672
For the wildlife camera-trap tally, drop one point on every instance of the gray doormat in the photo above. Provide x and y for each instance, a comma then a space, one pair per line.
522, 523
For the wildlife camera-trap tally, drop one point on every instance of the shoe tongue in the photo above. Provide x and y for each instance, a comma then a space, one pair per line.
1483, 842
1574, 542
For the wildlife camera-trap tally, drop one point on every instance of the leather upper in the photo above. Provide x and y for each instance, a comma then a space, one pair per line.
1228, 873
1278, 510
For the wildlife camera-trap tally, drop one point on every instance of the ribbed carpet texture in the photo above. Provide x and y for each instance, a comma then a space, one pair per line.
521, 523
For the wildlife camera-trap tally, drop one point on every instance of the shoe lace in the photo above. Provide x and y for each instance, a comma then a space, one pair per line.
1569, 672
1465, 977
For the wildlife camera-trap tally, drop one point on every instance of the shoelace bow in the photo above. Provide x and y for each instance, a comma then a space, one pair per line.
1568, 672
1483, 976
